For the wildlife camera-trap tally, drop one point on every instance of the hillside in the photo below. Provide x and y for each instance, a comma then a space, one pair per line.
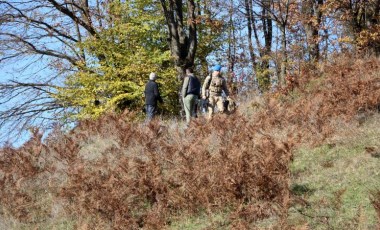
306, 157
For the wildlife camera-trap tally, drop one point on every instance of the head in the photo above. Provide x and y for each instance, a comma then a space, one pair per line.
189, 71
152, 76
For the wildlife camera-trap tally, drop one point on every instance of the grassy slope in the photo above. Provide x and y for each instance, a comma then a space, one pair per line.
336, 179
331, 184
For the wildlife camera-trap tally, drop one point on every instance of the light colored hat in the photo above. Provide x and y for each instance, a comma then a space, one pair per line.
152, 76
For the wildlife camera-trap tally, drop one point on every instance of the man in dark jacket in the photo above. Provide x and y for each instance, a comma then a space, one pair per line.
191, 89
152, 95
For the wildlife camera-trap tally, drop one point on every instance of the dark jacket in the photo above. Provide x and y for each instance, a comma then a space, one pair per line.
191, 85
152, 94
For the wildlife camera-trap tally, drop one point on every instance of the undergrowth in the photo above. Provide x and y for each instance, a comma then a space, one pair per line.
113, 173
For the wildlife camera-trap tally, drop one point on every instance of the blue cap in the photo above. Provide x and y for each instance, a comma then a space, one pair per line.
217, 68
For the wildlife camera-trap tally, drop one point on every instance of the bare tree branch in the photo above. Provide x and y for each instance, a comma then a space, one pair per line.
42, 52
69, 13
41, 35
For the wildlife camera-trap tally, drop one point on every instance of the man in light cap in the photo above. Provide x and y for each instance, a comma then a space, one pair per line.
213, 87
152, 95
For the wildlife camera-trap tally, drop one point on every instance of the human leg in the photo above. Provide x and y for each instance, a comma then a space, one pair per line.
188, 103
210, 106
219, 104
194, 104
150, 112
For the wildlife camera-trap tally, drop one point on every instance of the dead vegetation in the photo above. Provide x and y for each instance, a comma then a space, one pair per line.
147, 176
375, 199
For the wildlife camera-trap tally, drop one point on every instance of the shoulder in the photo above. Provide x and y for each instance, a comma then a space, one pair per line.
152, 84
191, 76
186, 80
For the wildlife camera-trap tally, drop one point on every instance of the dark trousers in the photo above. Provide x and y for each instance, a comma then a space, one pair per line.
150, 112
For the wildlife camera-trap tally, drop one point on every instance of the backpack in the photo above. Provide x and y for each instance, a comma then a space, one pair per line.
216, 85
209, 83
229, 106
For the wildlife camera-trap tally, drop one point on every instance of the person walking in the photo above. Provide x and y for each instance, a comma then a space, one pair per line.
213, 87
152, 96
190, 93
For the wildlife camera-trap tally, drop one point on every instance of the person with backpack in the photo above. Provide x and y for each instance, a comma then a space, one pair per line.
152, 96
190, 93
213, 87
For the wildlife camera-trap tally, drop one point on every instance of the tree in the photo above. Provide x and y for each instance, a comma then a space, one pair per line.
210, 27
182, 32
260, 64
312, 17
280, 14
131, 46
360, 22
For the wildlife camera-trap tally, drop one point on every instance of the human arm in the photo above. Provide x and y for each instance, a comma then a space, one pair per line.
205, 86
157, 93
225, 88
184, 87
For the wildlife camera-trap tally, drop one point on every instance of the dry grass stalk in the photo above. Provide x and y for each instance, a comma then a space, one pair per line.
159, 172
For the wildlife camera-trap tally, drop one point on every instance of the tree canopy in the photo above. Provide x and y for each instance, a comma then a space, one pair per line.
119, 60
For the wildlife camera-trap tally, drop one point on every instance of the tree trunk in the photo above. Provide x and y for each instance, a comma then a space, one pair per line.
284, 58
249, 15
231, 54
268, 36
260, 66
182, 36
313, 16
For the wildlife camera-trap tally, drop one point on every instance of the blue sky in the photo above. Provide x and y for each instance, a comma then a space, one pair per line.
23, 71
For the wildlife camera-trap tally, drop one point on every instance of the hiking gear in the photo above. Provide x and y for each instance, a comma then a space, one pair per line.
202, 105
217, 68
214, 85
229, 105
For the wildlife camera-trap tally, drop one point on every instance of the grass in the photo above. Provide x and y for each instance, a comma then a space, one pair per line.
204, 221
51, 224
335, 181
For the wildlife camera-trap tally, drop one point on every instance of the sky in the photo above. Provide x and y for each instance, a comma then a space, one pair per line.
21, 71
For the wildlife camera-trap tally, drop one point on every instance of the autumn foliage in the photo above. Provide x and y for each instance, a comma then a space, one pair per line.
114, 173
